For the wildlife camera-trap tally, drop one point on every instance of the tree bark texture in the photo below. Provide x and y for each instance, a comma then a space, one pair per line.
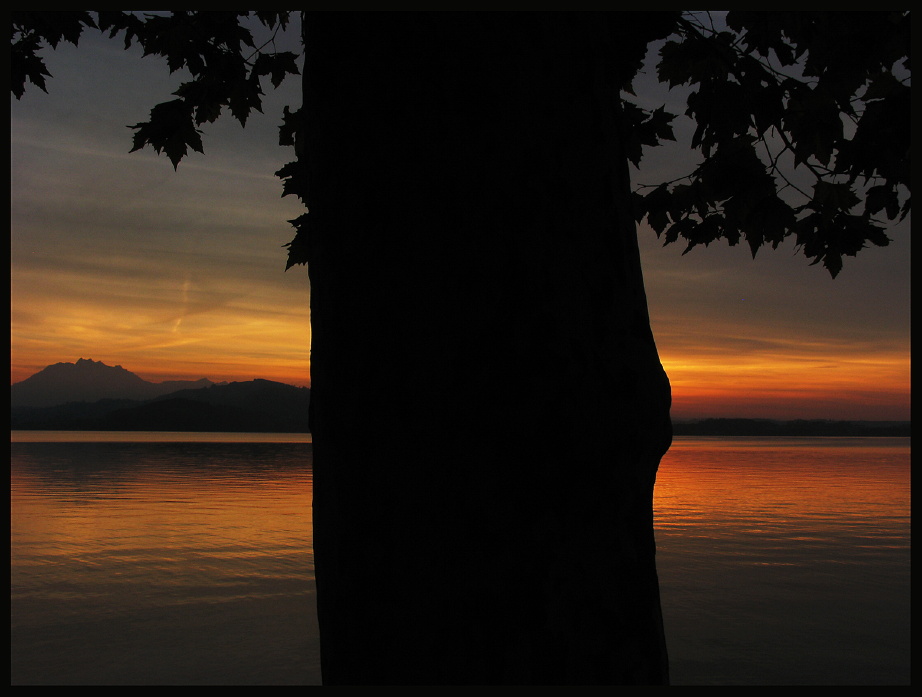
488, 406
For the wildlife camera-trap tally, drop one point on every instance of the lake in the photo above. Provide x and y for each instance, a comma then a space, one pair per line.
153, 558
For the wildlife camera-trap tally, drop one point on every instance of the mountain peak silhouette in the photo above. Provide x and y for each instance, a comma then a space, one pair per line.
90, 395
89, 381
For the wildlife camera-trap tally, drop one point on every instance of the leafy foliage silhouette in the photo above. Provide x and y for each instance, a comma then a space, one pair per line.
219, 53
801, 116
819, 88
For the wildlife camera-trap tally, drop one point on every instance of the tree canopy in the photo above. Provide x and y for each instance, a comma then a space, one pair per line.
802, 119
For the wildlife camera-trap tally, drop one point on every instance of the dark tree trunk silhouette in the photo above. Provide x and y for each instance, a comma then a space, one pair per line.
488, 406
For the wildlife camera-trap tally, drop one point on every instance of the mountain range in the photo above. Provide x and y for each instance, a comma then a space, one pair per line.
90, 395
88, 381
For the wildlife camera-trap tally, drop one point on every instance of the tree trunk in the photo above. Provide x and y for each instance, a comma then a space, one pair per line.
488, 406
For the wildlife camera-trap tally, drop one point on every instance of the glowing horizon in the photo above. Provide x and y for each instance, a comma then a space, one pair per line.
741, 391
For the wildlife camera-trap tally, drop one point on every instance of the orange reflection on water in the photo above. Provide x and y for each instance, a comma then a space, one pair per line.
786, 560
171, 510
177, 562
766, 483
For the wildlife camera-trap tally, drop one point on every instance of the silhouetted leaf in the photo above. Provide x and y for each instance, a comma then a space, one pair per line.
644, 128
25, 65
277, 65
205, 97
52, 27
765, 33
832, 196
294, 179
880, 145
291, 121
678, 229
243, 97
270, 19
711, 228
883, 85
884, 198
721, 111
170, 130
815, 123
686, 62
656, 204
298, 252
28, 32
825, 239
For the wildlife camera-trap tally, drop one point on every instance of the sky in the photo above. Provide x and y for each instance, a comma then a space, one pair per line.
116, 257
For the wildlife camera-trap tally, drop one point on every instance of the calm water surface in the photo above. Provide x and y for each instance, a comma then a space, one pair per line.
786, 560
161, 563
187, 559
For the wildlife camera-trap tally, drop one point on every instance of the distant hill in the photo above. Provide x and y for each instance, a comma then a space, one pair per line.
90, 381
90, 395
798, 427
254, 406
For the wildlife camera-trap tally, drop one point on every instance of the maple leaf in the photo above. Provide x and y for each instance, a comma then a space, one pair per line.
171, 130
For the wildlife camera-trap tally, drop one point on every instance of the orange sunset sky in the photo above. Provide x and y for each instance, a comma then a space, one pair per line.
179, 275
